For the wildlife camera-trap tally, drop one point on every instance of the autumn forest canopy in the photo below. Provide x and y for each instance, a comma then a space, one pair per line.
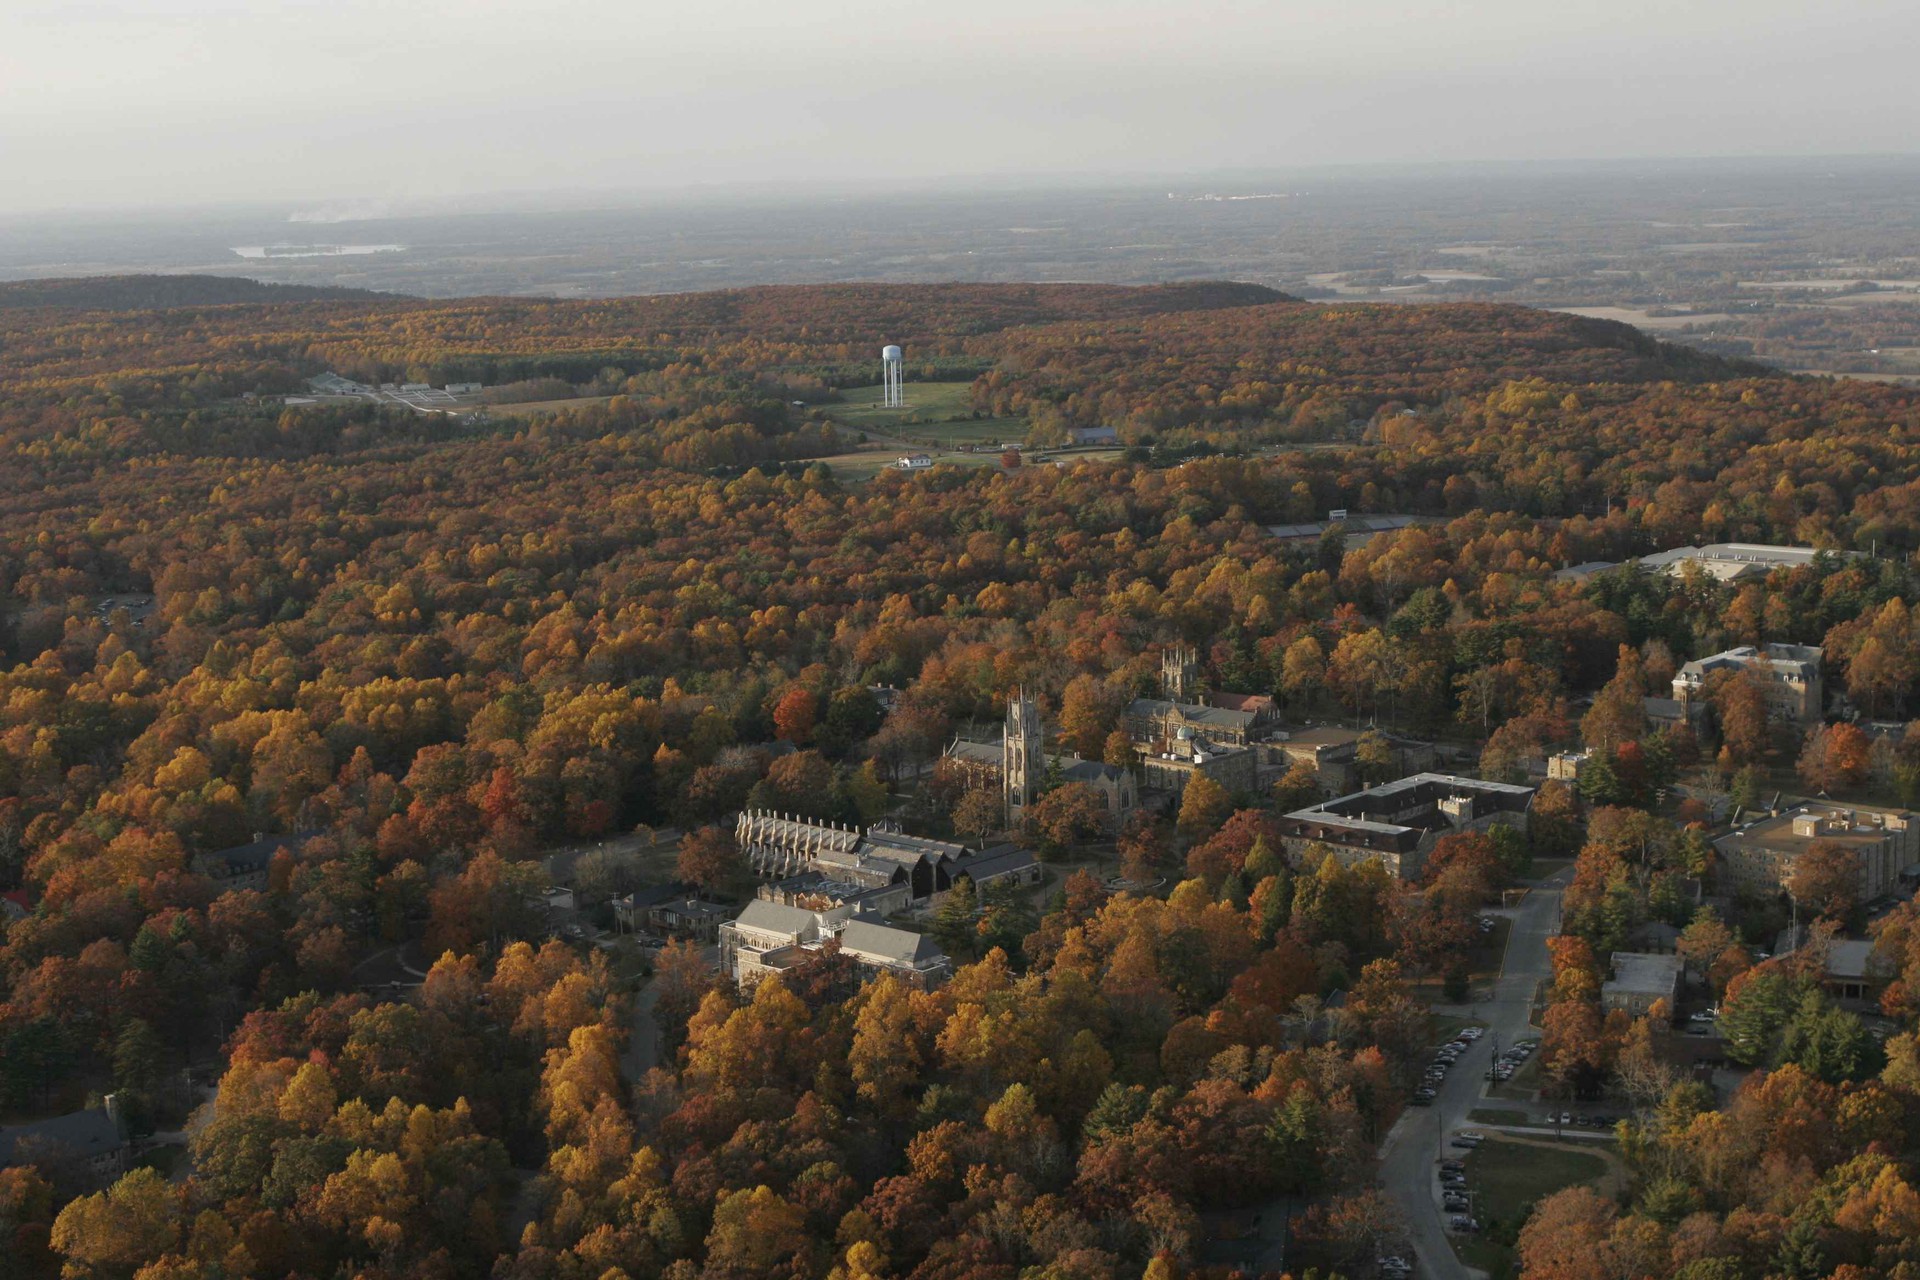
437, 646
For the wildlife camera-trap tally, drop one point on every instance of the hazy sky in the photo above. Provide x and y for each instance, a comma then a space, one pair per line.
128, 102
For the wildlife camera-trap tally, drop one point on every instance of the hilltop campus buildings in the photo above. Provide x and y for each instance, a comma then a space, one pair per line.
1721, 561
1759, 857
1791, 673
1398, 824
824, 882
1183, 734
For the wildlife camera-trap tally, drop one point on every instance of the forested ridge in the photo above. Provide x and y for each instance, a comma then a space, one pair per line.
437, 649
147, 292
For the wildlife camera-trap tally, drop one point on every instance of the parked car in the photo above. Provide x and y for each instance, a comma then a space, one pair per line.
1460, 1222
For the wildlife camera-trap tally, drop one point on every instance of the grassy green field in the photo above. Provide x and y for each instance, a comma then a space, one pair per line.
1508, 1178
930, 406
1442, 1027
531, 407
1496, 1115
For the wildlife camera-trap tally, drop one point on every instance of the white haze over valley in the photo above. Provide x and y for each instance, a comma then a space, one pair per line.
347, 109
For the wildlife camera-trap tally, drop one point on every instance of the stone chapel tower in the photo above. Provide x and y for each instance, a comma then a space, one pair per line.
1180, 674
1022, 758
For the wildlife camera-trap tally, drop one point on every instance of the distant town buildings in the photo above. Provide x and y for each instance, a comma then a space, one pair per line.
1397, 824
1759, 857
1791, 673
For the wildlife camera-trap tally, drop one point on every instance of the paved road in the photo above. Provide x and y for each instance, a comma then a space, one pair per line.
643, 1045
1418, 1140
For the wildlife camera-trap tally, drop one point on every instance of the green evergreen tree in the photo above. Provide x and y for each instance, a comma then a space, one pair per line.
138, 1057
953, 924
1827, 1041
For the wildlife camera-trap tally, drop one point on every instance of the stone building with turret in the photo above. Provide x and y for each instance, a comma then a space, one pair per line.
1020, 767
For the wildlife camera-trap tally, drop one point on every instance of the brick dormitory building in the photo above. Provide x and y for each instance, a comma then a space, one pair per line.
1398, 823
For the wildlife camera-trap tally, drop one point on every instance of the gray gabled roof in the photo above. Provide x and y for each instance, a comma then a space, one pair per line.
897, 847
998, 861
1849, 957
774, 917
891, 945
246, 858
1089, 771
88, 1133
1193, 712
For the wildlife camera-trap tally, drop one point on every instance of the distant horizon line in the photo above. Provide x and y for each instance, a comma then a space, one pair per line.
331, 210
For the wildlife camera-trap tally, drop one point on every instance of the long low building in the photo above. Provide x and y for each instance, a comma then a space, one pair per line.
1733, 561
91, 1137
1398, 823
1760, 857
772, 937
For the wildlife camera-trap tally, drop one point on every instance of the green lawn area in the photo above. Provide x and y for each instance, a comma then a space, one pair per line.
162, 1159
1442, 1027
1484, 1255
529, 408
1497, 1115
1507, 1179
1523, 1085
940, 412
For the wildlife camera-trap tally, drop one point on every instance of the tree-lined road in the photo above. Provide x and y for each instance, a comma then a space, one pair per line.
1418, 1140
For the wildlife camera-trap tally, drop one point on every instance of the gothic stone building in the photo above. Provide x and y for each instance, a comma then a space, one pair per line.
1019, 764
